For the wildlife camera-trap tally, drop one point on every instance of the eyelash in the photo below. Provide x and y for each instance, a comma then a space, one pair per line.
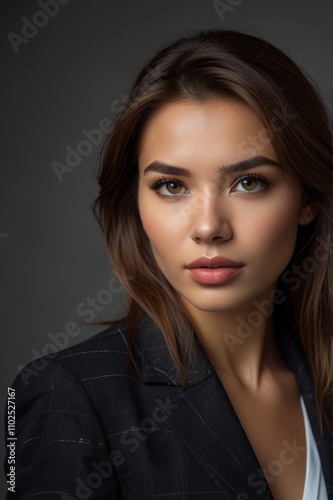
162, 181
165, 180
266, 183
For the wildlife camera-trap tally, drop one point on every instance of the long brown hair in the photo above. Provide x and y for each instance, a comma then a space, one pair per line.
201, 66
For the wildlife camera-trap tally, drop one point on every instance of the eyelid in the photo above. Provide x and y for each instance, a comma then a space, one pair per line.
164, 180
252, 175
156, 184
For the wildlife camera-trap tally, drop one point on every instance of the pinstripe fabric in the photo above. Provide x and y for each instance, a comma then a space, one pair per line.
87, 428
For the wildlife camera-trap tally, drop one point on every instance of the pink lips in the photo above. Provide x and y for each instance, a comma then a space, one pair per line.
213, 271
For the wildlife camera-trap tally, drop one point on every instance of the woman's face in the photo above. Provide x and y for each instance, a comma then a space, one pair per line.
210, 186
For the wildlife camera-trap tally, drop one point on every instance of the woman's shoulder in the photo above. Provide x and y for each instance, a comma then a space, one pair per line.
80, 362
96, 364
60, 413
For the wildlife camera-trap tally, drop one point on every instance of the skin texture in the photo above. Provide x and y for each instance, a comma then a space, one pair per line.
213, 215
210, 214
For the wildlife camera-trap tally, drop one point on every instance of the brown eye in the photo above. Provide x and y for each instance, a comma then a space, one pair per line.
249, 184
173, 187
170, 188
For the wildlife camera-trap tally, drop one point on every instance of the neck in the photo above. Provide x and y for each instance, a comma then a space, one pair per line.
235, 347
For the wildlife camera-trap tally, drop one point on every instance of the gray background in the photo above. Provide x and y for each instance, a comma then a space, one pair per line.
58, 84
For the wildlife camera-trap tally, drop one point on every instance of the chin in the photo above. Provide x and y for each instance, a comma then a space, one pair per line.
214, 305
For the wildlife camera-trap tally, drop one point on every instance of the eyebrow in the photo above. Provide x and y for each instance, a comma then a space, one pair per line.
255, 161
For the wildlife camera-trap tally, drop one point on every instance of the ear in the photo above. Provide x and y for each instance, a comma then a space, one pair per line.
308, 211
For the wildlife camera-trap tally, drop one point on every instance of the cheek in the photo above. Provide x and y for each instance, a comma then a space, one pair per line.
162, 227
273, 233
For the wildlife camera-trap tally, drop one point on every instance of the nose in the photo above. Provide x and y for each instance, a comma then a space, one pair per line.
210, 222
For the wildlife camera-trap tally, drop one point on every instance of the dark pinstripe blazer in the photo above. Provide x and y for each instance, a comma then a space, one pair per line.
87, 429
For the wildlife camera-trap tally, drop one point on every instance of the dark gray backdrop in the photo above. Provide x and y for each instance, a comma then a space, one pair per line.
61, 80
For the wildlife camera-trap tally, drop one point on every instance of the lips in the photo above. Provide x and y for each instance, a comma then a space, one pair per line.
214, 271
213, 262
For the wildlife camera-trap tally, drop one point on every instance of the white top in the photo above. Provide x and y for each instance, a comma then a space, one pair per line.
314, 487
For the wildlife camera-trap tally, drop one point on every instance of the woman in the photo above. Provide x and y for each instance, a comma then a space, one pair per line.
216, 205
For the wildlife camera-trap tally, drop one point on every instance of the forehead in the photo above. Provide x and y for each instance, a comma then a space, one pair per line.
195, 130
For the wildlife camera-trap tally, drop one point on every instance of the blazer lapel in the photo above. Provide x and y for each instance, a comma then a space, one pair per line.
295, 358
208, 426
205, 420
